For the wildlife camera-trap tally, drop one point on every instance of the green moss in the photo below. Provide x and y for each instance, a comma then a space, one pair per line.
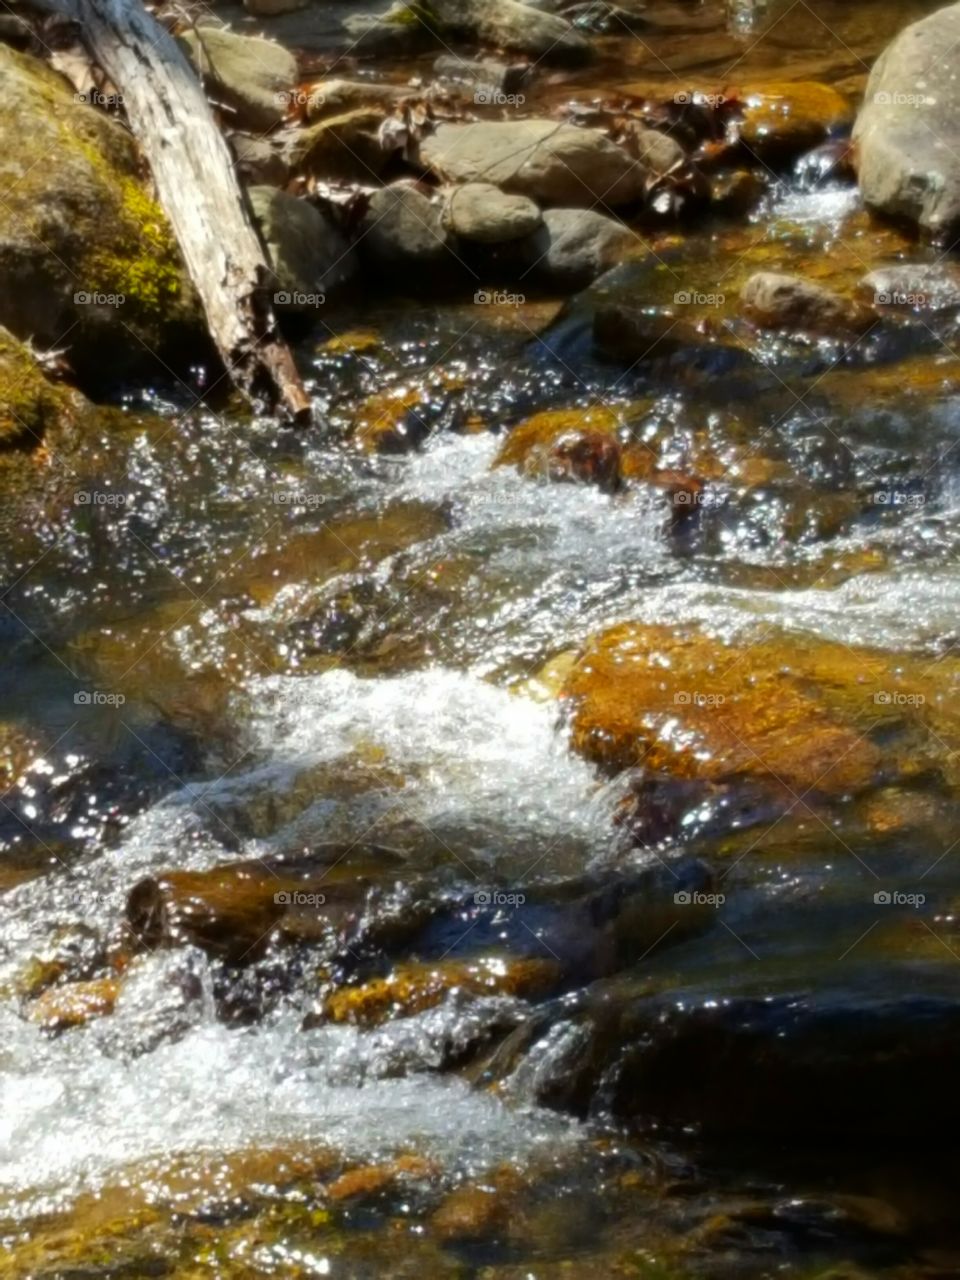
141, 261
28, 402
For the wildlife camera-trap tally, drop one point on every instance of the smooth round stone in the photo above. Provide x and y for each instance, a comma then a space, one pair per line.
480, 211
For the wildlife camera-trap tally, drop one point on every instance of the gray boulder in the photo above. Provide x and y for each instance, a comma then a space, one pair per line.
482, 212
907, 135
403, 233
543, 159
575, 246
252, 76
310, 256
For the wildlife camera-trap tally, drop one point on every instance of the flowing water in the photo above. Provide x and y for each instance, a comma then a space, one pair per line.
230, 642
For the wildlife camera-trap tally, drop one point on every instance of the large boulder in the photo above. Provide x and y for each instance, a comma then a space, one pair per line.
551, 162
403, 233
86, 256
482, 212
907, 135
575, 245
310, 256
254, 77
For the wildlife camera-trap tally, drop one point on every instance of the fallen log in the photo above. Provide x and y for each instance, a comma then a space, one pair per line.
196, 186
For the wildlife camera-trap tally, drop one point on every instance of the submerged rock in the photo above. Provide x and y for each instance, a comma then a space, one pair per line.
907, 135
778, 301
783, 118
549, 161
74, 1004
253, 76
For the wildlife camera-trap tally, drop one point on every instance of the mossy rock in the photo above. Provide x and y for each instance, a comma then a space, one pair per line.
76, 223
29, 403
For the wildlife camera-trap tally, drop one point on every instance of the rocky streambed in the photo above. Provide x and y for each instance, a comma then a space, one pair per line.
508, 827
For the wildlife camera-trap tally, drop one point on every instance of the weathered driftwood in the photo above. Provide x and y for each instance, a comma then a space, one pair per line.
194, 177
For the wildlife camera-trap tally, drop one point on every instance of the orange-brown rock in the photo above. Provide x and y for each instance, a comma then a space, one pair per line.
688, 705
74, 1004
410, 988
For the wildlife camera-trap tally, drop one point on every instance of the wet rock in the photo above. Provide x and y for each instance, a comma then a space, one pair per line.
485, 77
736, 194
913, 286
411, 988
84, 249
160, 998
475, 1211
310, 256
508, 24
543, 159
231, 912
574, 246
400, 418
906, 137
816, 1065
254, 77
394, 34
74, 1004
482, 212
778, 301
679, 702
403, 234
368, 1179
784, 118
